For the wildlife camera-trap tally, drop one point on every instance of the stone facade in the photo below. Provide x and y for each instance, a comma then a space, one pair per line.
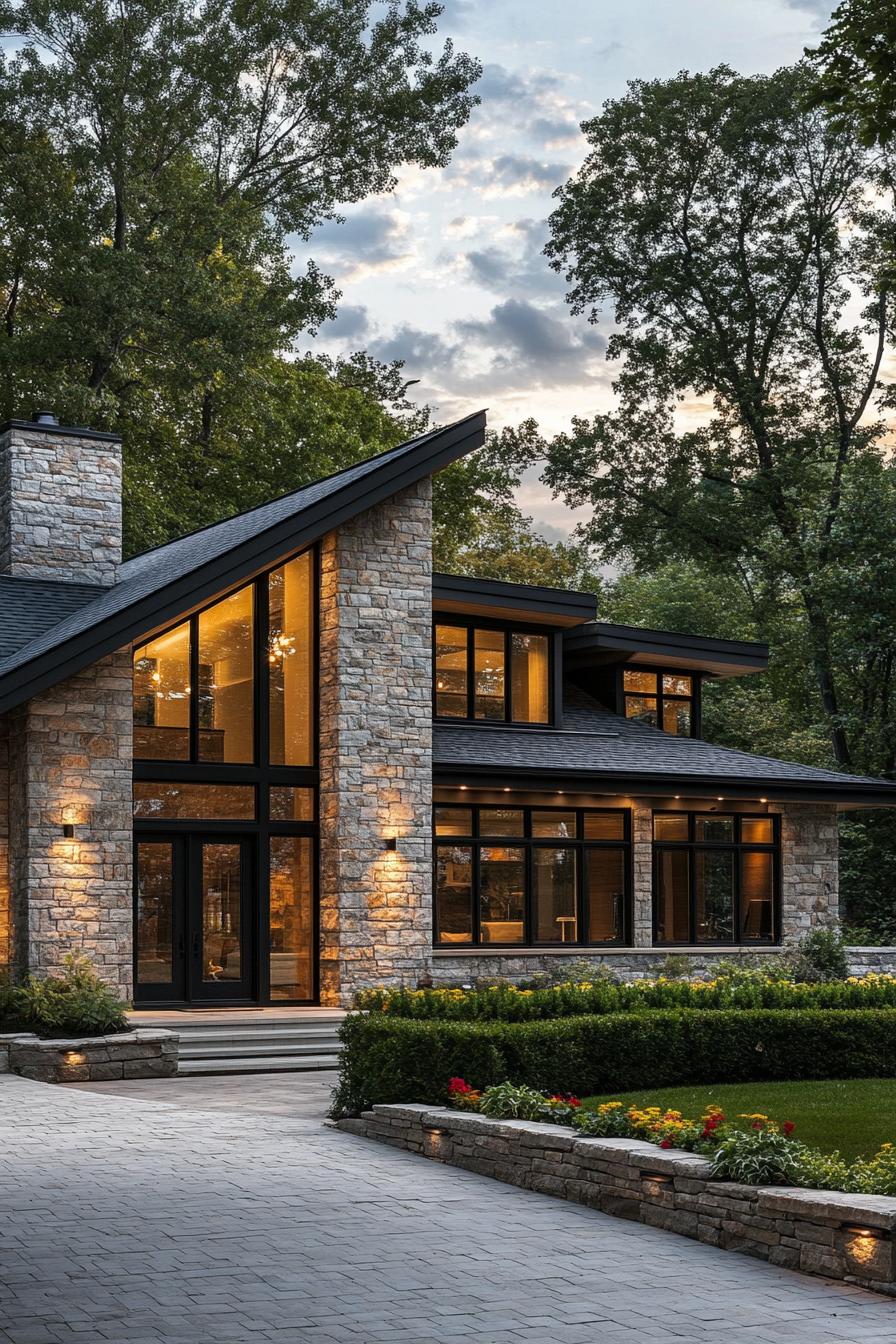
809, 899
823, 1232
60, 505
70, 762
5, 893
809, 868
376, 748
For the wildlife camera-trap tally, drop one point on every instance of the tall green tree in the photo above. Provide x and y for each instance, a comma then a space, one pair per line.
160, 161
856, 64
738, 242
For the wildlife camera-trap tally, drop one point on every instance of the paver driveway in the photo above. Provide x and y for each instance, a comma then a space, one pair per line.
131, 1219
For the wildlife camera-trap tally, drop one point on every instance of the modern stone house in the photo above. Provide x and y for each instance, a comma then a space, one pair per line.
279, 759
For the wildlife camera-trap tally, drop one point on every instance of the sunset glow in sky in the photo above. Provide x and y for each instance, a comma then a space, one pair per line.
447, 272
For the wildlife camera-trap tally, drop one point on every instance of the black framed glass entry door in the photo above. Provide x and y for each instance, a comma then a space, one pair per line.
195, 919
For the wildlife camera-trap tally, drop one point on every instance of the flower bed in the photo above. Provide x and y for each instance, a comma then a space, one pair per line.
738, 988
760, 1151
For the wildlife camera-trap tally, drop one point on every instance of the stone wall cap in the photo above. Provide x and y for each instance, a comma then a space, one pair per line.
412, 1111
114, 1038
834, 1205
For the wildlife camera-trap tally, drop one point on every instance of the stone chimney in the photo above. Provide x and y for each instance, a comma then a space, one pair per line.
60, 502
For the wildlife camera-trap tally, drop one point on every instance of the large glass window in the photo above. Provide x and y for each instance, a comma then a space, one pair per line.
162, 697
714, 878
490, 674
451, 671
167, 801
226, 691
662, 699
196, 688
292, 917
291, 661
521, 875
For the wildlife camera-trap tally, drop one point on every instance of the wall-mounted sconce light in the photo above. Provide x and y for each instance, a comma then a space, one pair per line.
872, 1233
68, 830
391, 842
656, 1177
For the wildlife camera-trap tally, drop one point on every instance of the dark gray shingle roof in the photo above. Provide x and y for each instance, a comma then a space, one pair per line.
152, 584
31, 607
596, 742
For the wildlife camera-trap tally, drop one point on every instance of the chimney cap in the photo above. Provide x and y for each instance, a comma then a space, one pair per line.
45, 418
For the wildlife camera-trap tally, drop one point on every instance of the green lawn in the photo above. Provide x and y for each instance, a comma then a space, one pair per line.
855, 1115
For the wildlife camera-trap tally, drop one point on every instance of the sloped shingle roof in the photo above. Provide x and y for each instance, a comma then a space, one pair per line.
595, 742
160, 584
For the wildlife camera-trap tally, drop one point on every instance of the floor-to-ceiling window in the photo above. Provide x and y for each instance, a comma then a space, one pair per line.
225, 798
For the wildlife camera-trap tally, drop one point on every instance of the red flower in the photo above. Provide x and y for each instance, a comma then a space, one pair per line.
458, 1087
788, 1126
666, 1143
757, 1124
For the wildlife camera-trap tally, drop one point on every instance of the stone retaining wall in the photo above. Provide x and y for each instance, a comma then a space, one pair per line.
823, 1232
864, 959
93, 1059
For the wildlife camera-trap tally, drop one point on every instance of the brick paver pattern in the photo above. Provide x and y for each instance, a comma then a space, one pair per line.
131, 1219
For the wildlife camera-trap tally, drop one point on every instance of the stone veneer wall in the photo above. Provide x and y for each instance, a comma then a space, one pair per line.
60, 506
817, 1231
5, 894
809, 899
376, 747
70, 760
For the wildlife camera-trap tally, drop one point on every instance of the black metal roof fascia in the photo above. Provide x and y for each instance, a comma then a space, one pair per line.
217, 575
562, 602
691, 785
61, 431
603, 635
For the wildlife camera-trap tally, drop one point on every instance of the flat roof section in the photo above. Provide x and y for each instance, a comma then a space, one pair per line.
499, 600
601, 642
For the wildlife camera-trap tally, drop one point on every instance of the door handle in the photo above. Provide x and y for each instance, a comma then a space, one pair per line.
180, 947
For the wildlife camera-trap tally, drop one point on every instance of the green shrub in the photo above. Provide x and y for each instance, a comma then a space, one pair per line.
77, 1003
392, 1059
505, 1101
819, 958
736, 985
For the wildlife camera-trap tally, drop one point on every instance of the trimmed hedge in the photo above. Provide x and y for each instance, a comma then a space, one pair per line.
742, 989
390, 1059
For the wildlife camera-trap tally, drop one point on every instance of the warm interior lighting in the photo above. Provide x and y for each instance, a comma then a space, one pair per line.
763, 800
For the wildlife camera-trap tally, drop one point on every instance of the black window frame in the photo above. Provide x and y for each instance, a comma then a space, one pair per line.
736, 846
508, 629
260, 773
529, 843
694, 699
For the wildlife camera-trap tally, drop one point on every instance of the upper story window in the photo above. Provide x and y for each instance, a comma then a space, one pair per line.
491, 674
663, 699
199, 687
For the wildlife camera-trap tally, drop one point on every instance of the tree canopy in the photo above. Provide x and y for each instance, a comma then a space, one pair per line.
856, 65
159, 162
739, 242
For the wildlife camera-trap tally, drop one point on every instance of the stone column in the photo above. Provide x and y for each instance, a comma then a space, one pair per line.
809, 868
5, 894
70, 762
376, 747
642, 875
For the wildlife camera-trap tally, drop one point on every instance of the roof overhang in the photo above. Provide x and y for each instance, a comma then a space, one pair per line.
262, 551
647, 784
495, 599
601, 642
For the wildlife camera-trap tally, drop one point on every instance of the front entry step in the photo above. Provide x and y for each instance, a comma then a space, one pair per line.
258, 1041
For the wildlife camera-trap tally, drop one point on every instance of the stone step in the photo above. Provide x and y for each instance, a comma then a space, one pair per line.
256, 1064
215, 1036
260, 1048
